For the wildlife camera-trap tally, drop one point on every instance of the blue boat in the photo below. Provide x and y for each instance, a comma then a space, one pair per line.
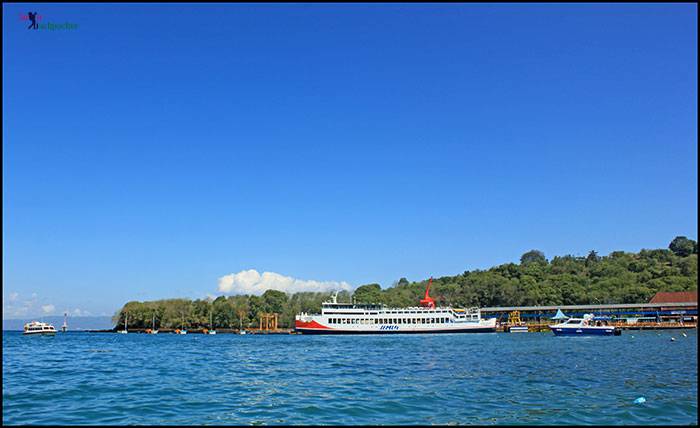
584, 327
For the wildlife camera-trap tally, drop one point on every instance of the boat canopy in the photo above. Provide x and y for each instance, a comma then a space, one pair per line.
560, 315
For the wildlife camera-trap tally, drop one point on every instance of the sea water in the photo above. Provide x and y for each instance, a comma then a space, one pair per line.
497, 378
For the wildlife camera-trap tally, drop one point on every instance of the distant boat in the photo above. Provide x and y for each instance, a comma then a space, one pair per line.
126, 321
211, 324
583, 327
153, 329
39, 328
182, 330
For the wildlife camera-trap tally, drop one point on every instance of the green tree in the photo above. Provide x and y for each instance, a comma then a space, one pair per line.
370, 293
682, 246
274, 301
533, 256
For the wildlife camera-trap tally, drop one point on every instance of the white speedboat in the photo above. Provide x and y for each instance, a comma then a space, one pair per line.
39, 328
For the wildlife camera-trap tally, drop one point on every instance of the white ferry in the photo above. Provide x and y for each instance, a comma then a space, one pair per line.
36, 327
347, 318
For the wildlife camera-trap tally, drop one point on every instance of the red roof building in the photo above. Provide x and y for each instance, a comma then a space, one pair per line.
675, 297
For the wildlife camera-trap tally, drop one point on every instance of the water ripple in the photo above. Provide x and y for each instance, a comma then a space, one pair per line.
84, 378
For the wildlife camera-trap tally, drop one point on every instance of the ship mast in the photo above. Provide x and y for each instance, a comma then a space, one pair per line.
64, 328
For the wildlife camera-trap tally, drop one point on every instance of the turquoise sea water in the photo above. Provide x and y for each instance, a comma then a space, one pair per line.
102, 378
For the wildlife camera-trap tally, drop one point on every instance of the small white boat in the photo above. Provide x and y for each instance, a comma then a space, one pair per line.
242, 332
517, 329
181, 330
211, 324
153, 329
126, 321
39, 328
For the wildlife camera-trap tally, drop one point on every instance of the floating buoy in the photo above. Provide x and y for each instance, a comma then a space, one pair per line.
673, 339
640, 400
684, 335
632, 337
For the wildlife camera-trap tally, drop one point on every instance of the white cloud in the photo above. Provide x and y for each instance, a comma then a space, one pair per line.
13, 296
252, 282
48, 308
77, 312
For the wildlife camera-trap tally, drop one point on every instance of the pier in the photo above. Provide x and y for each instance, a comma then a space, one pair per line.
666, 310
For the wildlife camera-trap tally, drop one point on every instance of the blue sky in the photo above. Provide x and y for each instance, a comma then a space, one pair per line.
158, 148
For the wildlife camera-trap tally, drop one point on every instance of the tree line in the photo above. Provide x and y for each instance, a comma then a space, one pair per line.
619, 277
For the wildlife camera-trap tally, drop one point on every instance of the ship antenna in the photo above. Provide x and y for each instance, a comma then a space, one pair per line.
335, 297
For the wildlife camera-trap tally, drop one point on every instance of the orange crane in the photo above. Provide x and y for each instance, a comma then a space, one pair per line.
428, 301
